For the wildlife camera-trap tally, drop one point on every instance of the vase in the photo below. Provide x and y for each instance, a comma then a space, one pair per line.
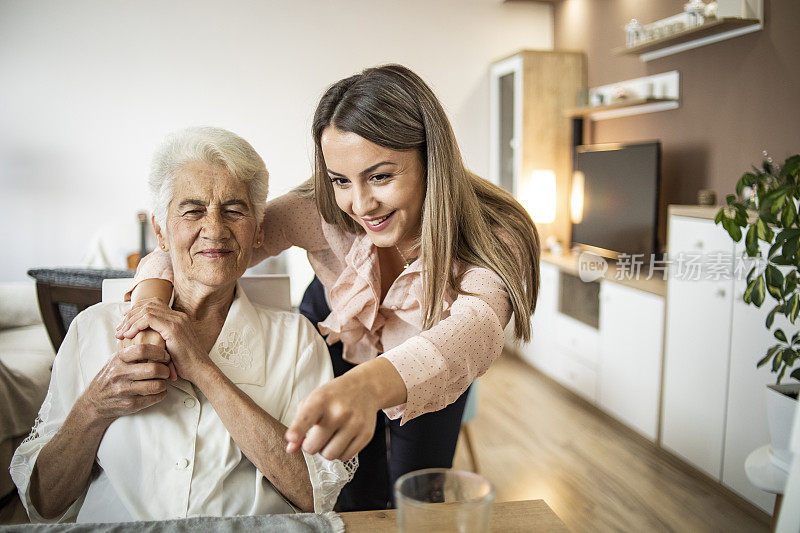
780, 415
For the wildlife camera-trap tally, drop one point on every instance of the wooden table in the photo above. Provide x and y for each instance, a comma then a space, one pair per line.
507, 517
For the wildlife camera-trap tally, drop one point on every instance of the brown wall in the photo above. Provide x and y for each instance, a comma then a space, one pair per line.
738, 97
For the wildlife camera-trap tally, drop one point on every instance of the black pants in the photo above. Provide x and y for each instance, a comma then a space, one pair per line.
427, 441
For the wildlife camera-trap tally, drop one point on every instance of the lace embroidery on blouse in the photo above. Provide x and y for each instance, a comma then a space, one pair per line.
332, 476
21, 467
44, 414
234, 350
350, 467
20, 471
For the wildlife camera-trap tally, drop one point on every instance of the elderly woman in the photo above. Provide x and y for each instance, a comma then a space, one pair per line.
119, 439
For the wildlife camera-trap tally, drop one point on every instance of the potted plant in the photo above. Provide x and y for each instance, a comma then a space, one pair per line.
765, 208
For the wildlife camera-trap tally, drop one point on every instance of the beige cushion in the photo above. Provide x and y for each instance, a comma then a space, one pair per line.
18, 305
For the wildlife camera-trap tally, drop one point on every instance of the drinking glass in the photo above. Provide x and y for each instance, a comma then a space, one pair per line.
445, 500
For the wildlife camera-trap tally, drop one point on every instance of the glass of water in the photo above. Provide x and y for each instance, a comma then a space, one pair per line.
441, 499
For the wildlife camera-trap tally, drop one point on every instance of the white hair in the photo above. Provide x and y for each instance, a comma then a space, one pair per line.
210, 145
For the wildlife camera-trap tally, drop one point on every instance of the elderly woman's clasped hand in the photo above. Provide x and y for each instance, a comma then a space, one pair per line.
183, 346
133, 379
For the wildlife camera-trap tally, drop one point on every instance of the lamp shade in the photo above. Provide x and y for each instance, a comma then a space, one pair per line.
538, 195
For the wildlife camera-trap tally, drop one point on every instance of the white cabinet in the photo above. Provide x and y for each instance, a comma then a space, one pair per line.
618, 365
505, 122
577, 376
540, 352
576, 345
631, 338
527, 129
746, 428
561, 347
697, 346
712, 411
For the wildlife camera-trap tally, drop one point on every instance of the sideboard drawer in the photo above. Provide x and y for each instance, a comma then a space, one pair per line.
581, 379
578, 338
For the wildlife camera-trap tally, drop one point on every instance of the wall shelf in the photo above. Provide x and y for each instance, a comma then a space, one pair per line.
649, 94
710, 32
634, 106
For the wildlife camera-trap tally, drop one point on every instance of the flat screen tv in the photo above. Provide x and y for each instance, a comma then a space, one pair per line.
620, 199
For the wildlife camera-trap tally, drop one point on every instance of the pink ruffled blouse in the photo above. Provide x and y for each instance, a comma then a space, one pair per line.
436, 365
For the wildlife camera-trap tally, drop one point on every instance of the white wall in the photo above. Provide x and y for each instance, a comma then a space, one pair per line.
89, 87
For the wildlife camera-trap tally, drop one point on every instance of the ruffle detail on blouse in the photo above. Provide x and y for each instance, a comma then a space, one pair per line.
354, 319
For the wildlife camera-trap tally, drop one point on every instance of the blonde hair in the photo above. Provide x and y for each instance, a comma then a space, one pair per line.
464, 217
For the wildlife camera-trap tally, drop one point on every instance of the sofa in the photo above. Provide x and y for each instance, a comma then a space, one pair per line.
26, 356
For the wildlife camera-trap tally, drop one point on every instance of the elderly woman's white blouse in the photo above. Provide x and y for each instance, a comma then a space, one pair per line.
176, 458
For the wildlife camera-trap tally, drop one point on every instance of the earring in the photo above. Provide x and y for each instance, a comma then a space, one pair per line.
258, 243
163, 246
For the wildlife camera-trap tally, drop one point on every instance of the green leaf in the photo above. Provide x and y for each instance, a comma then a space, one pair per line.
769, 355
730, 199
748, 292
777, 205
795, 337
771, 316
751, 242
764, 232
782, 261
790, 249
791, 167
740, 217
769, 234
733, 230
774, 280
720, 216
772, 202
790, 283
781, 373
792, 308
759, 291
776, 361
773, 250
789, 214
796, 374
780, 335
786, 234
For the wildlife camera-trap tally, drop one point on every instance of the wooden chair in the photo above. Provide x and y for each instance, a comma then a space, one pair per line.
65, 292
470, 412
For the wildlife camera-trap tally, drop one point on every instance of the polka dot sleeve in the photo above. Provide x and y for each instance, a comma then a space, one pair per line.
290, 220
156, 264
439, 364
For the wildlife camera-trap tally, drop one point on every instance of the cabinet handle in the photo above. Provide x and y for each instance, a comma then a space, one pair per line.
721, 293
699, 244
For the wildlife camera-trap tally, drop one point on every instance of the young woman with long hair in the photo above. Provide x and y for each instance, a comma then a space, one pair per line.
421, 264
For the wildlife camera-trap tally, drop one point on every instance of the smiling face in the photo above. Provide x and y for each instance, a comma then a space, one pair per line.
381, 189
211, 228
